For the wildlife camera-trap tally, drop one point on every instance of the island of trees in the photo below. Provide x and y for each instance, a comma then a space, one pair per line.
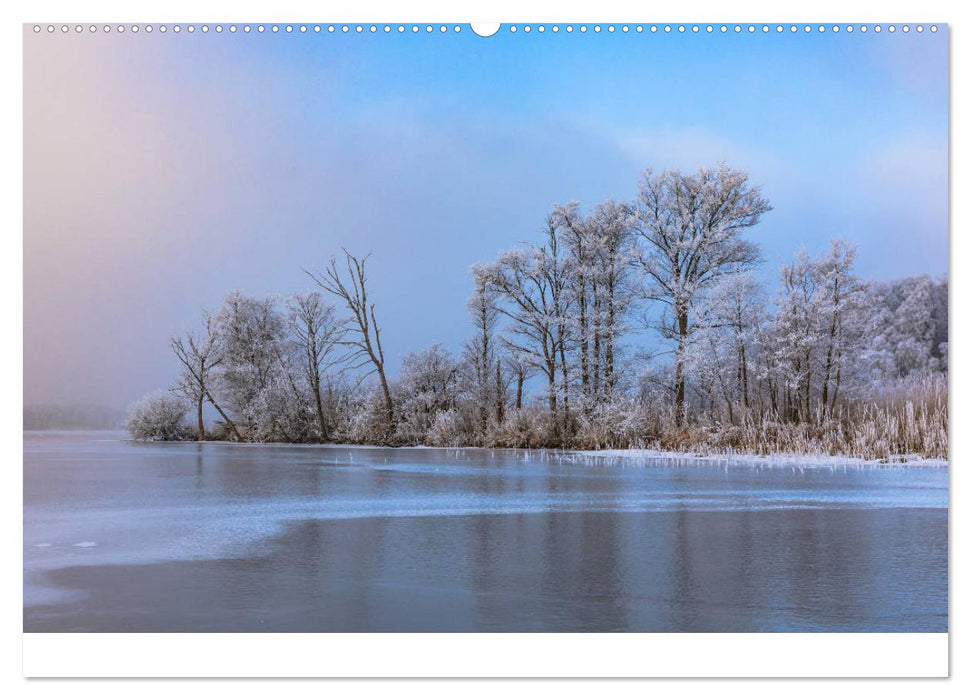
642, 324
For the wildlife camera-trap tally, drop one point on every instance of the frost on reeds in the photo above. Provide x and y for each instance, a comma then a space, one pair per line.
907, 418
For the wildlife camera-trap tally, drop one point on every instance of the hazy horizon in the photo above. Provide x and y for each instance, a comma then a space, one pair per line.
162, 172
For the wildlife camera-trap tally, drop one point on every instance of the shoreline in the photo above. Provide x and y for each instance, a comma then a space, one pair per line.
778, 459
632, 455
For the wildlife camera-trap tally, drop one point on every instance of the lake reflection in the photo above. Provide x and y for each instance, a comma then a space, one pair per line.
125, 537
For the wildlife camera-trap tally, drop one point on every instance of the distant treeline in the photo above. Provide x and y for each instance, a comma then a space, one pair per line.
629, 324
72, 417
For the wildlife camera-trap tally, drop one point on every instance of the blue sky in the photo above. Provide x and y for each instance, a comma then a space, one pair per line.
162, 171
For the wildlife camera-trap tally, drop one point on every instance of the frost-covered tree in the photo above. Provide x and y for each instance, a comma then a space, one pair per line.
158, 416
842, 319
534, 295
481, 352
798, 330
723, 350
251, 336
596, 279
579, 278
908, 326
690, 229
521, 368
819, 332
258, 365
361, 333
199, 356
316, 332
426, 387
614, 291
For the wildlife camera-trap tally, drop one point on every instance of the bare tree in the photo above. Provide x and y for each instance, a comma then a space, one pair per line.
316, 331
362, 334
690, 227
199, 356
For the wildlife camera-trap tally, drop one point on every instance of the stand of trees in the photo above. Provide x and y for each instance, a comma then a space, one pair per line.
628, 324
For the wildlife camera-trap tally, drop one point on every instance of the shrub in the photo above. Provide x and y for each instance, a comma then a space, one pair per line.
158, 416
523, 427
446, 430
614, 423
366, 421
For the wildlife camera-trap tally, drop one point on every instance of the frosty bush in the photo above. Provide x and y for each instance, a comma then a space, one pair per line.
158, 416
523, 427
617, 422
426, 389
366, 421
446, 430
280, 412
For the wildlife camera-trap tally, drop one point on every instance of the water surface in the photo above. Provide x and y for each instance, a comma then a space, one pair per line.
126, 537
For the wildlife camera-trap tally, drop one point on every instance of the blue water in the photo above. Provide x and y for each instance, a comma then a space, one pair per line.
188, 537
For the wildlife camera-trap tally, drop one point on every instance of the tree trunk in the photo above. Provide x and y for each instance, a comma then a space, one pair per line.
836, 388
743, 372
829, 363
597, 338
500, 398
584, 339
321, 424
807, 390
679, 369
566, 380
551, 393
201, 424
226, 419
388, 405
609, 345
483, 368
832, 344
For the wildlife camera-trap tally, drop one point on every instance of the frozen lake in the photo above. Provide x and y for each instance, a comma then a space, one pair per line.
125, 537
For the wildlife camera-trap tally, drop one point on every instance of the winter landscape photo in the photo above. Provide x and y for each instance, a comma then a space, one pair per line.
571, 328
